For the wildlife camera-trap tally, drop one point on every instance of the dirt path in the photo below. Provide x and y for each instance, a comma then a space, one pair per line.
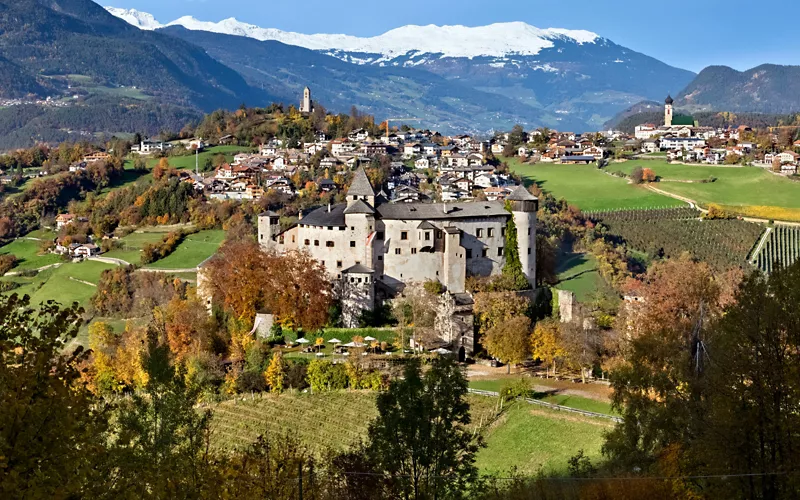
43, 268
694, 204
83, 282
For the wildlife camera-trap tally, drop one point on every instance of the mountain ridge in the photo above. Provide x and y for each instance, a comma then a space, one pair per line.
493, 40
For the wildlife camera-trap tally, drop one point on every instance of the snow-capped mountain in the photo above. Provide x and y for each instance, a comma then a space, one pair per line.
141, 20
555, 77
495, 40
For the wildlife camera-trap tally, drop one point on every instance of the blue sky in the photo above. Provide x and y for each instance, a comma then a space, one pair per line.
690, 35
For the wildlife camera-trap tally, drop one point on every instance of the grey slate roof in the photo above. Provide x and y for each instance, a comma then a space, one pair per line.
359, 207
435, 211
361, 185
358, 269
426, 225
520, 194
321, 216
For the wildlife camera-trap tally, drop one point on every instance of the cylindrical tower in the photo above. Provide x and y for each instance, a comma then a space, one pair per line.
523, 208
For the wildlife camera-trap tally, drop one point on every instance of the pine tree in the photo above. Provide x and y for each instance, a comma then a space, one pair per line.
512, 271
276, 372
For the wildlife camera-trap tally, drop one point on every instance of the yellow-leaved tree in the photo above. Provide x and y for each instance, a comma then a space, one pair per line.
275, 375
546, 342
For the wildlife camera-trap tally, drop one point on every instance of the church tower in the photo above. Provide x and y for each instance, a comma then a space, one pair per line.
668, 111
306, 105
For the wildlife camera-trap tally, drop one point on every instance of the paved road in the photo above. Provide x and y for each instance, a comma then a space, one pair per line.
111, 260
17, 273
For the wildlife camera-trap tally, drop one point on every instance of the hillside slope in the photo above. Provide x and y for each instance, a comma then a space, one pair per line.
43, 41
765, 89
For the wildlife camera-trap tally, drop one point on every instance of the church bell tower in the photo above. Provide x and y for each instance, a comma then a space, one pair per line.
668, 111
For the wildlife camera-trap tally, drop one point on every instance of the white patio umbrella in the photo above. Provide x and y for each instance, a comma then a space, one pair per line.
334, 341
303, 340
349, 344
369, 339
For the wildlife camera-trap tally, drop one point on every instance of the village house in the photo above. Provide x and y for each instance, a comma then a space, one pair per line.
64, 220
96, 157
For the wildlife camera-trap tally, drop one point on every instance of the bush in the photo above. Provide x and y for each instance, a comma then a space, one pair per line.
637, 175
322, 375
7, 286
7, 262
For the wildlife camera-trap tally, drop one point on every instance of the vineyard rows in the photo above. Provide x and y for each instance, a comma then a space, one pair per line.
674, 213
781, 249
669, 233
331, 420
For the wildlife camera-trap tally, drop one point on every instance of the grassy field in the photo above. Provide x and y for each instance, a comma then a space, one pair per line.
589, 188
192, 251
535, 439
64, 284
27, 253
132, 246
188, 161
577, 273
737, 187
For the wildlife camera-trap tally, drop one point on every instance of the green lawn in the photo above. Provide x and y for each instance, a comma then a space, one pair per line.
192, 251
188, 161
55, 284
589, 188
577, 273
132, 245
535, 439
27, 253
742, 186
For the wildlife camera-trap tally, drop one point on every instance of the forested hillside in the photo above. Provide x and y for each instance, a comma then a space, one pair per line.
768, 88
42, 41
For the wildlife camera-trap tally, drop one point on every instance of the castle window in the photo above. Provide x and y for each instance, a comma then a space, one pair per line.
330, 228
484, 252
438, 235
529, 231
261, 236
359, 280
307, 242
280, 240
352, 228
316, 243
380, 257
479, 233
329, 244
403, 235
490, 232
379, 236
469, 253
499, 251
529, 251
413, 251
352, 244
397, 251
427, 236
338, 263
503, 232
352, 280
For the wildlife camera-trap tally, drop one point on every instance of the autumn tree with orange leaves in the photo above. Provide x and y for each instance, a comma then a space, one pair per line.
245, 279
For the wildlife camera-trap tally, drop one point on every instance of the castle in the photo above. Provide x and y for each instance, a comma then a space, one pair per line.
374, 248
